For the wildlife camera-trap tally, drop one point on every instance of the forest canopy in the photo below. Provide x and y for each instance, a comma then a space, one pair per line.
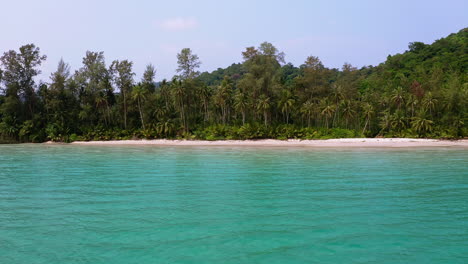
422, 92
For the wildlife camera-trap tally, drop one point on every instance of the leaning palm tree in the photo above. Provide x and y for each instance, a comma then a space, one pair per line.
368, 112
385, 122
139, 95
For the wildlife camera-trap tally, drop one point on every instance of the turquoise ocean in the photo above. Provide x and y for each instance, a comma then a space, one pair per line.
148, 204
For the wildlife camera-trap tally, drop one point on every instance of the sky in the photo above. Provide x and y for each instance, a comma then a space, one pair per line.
360, 32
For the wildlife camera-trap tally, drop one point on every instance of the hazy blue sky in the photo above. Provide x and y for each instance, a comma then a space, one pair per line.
359, 32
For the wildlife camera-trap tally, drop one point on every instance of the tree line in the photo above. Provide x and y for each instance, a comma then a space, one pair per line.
420, 93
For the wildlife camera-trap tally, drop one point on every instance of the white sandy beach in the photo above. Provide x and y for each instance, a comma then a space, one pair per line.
343, 142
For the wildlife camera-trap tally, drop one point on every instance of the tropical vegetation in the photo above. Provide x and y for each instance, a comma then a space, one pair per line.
422, 92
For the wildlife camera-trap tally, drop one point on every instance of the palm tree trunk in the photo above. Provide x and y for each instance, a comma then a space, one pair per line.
365, 125
335, 116
125, 109
184, 121
108, 111
141, 114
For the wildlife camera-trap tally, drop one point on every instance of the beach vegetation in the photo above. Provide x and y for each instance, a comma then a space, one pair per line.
422, 92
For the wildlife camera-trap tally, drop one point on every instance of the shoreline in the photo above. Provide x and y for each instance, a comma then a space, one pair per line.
343, 142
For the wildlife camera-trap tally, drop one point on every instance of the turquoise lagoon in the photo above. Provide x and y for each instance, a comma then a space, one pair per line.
148, 204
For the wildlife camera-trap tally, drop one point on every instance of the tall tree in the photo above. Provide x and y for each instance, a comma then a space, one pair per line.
123, 78
263, 106
313, 83
308, 109
241, 104
261, 83
179, 92
139, 95
188, 63
222, 98
148, 78
93, 79
59, 100
422, 92
20, 68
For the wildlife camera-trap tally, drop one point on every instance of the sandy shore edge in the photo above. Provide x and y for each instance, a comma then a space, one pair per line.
342, 142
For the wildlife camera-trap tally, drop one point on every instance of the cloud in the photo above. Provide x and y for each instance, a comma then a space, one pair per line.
178, 24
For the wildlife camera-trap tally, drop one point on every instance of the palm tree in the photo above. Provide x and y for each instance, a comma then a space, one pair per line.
222, 98
412, 102
385, 122
368, 112
86, 113
160, 112
398, 97
421, 125
327, 110
307, 109
458, 124
429, 103
139, 94
398, 121
8, 128
263, 105
179, 100
165, 127
348, 111
205, 95
241, 104
286, 103
337, 95
165, 91
101, 103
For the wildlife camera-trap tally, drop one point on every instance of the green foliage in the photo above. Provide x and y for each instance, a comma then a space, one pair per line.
259, 131
420, 93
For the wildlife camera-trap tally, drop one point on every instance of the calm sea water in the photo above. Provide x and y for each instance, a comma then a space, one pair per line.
82, 204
